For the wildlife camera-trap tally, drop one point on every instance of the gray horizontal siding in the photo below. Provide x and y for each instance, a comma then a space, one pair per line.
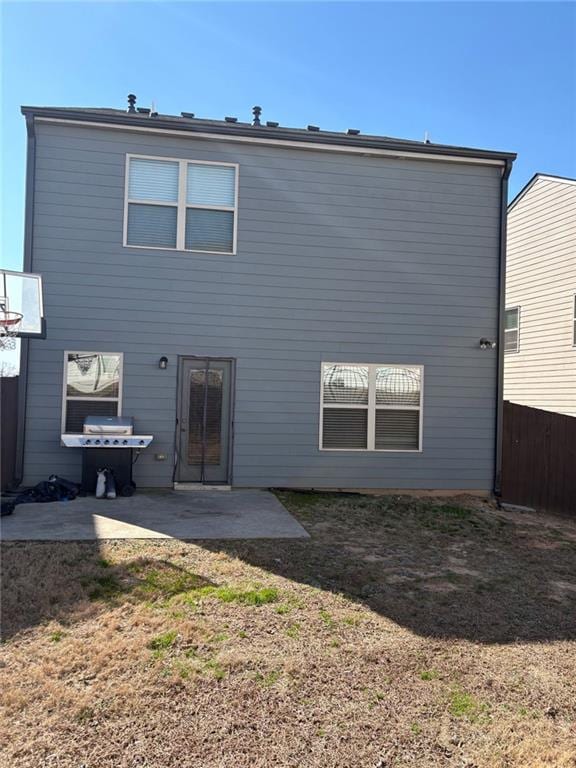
399, 292
340, 258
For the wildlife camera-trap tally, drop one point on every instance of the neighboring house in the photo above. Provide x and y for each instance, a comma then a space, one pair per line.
540, 336
318, 297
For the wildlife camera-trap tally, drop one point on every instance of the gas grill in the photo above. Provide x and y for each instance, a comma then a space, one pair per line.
107, 432
99, 435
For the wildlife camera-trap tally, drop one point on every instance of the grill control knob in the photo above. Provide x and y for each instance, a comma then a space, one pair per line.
124, 442
115, 442
141, 442
106, 442
96, 442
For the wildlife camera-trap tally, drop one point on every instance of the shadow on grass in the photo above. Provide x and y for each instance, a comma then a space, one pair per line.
72, 580
441, 570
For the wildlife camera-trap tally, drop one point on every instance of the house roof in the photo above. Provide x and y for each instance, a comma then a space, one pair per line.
188, 123
533, 180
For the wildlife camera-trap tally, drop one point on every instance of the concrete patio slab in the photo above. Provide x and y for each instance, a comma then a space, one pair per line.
155, 515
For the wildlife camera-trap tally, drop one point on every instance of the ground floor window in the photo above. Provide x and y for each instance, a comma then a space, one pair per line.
371, 407
92, 387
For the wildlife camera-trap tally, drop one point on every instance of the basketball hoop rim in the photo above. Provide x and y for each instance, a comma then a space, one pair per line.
8, 318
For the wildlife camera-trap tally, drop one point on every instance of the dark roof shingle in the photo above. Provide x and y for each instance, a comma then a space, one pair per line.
195, 125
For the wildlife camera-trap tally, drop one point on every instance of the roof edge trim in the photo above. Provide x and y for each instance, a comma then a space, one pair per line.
529, 184
281, 138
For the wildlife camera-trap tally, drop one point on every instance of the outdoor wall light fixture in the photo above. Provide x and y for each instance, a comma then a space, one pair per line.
163, 363
487, 344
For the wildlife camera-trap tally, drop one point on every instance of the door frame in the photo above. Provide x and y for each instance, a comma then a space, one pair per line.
181, 360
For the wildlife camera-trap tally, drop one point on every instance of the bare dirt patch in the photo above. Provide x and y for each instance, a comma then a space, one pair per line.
404, 633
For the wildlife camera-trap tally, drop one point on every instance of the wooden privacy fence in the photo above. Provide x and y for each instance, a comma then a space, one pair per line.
8, 430
539, 459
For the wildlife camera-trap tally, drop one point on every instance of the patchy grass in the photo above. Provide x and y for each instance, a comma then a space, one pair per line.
104, 588
406, 633
254, 597
463, 704
269, 678
164, 641
293, 631
217, 670
243, 596
167, 582
327, 619
84, 715
428, 674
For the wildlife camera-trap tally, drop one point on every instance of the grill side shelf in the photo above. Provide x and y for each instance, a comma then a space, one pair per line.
106, 441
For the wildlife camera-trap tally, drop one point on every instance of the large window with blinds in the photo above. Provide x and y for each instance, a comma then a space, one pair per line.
180, 204
92, 387
372, 407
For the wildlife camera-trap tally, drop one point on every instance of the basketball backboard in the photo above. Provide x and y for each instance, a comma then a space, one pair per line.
21, 292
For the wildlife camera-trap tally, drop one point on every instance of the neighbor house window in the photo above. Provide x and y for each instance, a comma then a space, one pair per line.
512, 330
92, 387
371, 407
180, 204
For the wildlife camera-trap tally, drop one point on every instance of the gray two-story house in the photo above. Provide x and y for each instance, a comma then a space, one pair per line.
277, 307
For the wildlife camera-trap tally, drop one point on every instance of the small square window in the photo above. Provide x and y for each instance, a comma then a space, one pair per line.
153, 180
152, 225
209, 230
211, 185
345, 428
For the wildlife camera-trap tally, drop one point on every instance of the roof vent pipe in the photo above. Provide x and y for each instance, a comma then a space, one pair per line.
256, 111
131, 102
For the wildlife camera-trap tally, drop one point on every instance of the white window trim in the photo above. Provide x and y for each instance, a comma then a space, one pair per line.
512, 351
180, 205
371, 408
65, 398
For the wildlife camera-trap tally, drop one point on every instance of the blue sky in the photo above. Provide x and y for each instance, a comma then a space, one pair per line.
495, 75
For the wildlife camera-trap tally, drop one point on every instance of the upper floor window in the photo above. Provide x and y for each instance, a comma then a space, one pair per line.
512, 330
180, 204
92, 387
371, 407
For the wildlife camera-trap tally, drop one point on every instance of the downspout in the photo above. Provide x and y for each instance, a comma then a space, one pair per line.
25, 343
501, 315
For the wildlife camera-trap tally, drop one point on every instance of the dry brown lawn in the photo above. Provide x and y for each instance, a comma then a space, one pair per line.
404, 633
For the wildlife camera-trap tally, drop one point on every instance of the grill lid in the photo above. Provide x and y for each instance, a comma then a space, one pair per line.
108, 425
